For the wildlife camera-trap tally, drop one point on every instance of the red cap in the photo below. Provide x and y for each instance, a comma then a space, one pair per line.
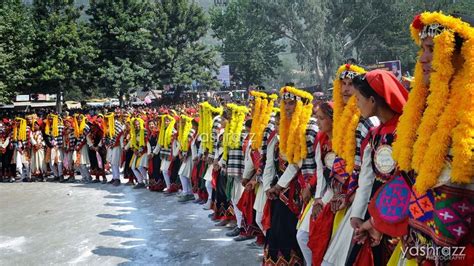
387, 86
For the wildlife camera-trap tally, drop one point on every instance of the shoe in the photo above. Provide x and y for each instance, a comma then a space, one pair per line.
197, 201
231, 225
56, 179
71, 179
96, 181
116, 182
104, 181
202, 202
254, 245
130, 183
139, 186
61, 179
186, 198
235, 232
167, 193
243, 238
26, 180
111, 181
222, 223
12, 180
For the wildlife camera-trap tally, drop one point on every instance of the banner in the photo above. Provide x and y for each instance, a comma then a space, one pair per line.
395, 66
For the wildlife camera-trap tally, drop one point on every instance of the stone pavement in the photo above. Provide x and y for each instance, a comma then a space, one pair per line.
96, 224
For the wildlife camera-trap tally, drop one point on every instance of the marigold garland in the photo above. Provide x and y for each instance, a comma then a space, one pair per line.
409, 121
52, 129
79, 128
294, 148
137, 144
234, 127
261, 118
453, 129
463, 133
439, 93
183, 133
346, 120
110, 124
19, 131
208, 112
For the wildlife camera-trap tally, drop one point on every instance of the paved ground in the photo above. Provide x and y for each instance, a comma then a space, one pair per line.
95, 224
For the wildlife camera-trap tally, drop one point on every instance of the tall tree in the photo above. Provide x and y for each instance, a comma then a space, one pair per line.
63, 48
248, 47
179, 55
16, 48
124, 42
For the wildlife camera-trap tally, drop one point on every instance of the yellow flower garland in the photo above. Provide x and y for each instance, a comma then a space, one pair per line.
439, 93
79, 129
19, 131
346, 118
208, 112
110, 124
294, 148
234, 127
184, 130
133, 133
451, 128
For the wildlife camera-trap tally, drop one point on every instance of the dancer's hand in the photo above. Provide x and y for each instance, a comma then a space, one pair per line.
317, 207
306, 194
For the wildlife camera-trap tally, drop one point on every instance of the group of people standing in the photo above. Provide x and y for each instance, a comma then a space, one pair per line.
372, 177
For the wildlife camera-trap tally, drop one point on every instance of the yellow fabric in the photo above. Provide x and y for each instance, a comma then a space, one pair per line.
305, 212
133, 133
79, 129
337, 220
19, 132
184, 129
396, 254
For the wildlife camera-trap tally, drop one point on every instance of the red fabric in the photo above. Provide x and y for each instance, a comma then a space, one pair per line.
468, 257
245, 205
365, 257
150, 165
397, 229
320, 231
215, 175
267, 215
387, 86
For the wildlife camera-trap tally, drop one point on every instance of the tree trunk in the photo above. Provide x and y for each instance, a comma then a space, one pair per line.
59, 104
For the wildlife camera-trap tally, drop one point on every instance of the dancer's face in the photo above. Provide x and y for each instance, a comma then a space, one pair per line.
426, 58
290, 106
347, 89
324, 121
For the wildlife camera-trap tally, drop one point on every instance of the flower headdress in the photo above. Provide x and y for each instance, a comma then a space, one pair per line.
346, 117
166, 131
207, 113
110, 124
185, 126
52, 128
431, 121
293, 130
79, 128
136, 144
262, 111
19, 131
233, 129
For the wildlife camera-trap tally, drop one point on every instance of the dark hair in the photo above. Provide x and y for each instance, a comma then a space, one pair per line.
458, 40
327, 109
362, 85
351, 61
248, 123
195, 123
226, 114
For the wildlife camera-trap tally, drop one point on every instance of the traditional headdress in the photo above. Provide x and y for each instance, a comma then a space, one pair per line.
233, 129
346, 117
293, 131
262, 111
133, 133
166, 131
207, 113
52, 128
19, 131
439, 117
79, 128
185, 126
110, 124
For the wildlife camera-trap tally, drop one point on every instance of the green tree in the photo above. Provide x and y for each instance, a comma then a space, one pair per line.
16, 47
63, 48
179, 56
250, 48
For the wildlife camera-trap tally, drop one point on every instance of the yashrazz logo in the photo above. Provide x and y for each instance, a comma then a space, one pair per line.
435, 253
